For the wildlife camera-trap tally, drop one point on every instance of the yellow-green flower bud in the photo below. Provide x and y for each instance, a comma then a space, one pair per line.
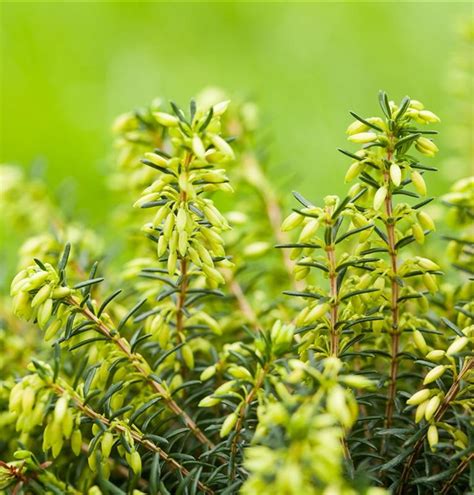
363, 137
420, 411
419, 397
420, 341
208, 373
426, 146
188, 356
76, 441
434, 374
457, 346
291, 221
228, 424
418, 182
395, 174
418, 233
379, 197
354, 170
166, 119
430, 282
432, 407
198, 147
223, 146
428, 117
425, 221
316, 313
432, 436
309, 230
44, 312
435, 355
356, 127
209, 402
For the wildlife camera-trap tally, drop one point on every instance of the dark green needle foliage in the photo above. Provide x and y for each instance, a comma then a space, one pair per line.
329, 353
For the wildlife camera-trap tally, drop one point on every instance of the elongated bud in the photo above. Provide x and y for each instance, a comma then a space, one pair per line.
291, 221
363, 137
419, 397
166, 119
457, 346
223, 146
135, 462
357, 381
198, 147
354, 170
425, 221
44, 312
76, 441
434, 374
309, 230
432, 407
107, 443
426, 146
395, 174
427, 264
432, 436
379, 197
420, 341
220, 108
209, 402
435, 355
418, 182
420, 411
60, 409
157, 159
41, 296
188, 356
228, 424
317, 312
428, 117
209, 372
430, 282
418, 233
356, 127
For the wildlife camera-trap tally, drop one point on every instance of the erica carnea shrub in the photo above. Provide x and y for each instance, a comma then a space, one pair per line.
234, 351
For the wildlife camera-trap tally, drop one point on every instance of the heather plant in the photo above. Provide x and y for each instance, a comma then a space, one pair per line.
237, 352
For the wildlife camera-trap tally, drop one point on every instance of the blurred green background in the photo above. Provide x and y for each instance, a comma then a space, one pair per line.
69, 68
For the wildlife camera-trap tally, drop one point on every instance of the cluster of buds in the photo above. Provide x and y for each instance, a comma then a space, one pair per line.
385, 146
429, 399
30, 401
187, 224
299, 437
37, 292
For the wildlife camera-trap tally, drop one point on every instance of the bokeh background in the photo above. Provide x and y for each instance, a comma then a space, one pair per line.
69, 68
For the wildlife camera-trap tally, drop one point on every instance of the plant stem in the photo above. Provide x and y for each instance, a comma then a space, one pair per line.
135, 360
394, 305
452, 392
137, 436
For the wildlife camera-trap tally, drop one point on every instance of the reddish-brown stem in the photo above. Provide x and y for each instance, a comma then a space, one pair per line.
135, 359
449, 397
394, 306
